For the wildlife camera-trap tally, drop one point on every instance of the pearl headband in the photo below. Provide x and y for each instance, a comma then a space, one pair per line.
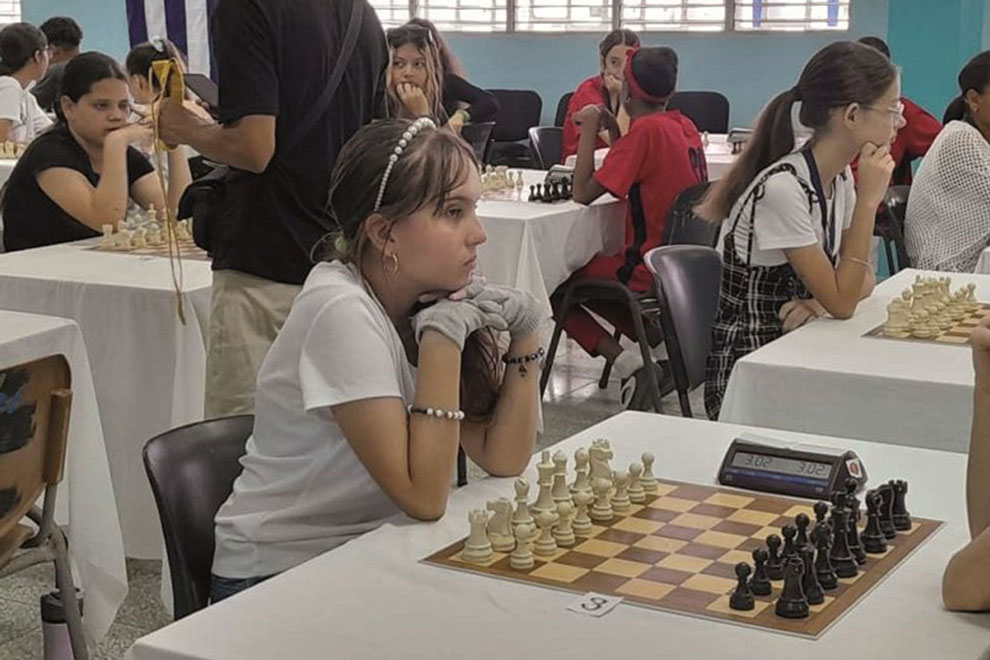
407, 137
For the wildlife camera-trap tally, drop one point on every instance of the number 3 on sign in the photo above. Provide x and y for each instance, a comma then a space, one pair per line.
594, 604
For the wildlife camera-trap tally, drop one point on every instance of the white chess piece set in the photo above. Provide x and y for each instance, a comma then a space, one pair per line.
147, 232
562, 512
928, 308
9, 150
498, 179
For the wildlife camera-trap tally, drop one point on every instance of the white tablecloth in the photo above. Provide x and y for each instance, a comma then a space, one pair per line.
149, 370
535, 247
373, 599
85, 497
828, 377
718, 155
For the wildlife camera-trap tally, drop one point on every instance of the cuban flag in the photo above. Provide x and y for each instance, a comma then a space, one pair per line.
184, 22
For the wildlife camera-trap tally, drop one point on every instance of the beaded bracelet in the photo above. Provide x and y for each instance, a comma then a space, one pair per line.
523, 360
455, 415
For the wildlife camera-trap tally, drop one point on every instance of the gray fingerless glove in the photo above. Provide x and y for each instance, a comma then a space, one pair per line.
456, 319
521, 310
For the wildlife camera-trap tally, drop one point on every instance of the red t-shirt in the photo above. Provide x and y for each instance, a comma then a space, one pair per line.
662, 154
589, 92
911, 142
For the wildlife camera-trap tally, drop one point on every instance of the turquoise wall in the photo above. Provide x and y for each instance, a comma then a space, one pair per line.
930, 39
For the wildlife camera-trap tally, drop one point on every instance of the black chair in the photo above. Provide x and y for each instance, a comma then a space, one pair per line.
562, 104
688, 281
479, 136
519, 110
708, 110
889, 226
640, 305
545, 144
683, 227
192, 471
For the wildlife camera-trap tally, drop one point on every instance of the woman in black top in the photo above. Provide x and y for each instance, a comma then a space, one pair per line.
80, 174
418, 86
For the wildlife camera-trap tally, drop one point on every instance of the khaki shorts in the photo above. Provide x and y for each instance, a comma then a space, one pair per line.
246, 313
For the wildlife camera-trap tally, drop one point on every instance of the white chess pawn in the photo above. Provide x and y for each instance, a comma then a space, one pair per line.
139, 239
648, 480
582, 523
636, 492
581, 482
602, 509
478, 547
563, 533
545, 545
522, 557
620, 500
107, 239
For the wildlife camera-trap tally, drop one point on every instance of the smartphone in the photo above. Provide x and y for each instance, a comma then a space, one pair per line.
204, 88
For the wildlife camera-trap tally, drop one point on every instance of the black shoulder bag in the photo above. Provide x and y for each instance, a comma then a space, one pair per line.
203, 199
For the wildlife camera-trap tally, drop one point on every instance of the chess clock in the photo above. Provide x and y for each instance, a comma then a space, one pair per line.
760, 463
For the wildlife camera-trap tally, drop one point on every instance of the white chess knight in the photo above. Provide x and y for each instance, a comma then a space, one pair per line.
600, 454
499, 525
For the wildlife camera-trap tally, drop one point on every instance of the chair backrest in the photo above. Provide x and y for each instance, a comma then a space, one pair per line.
518, 111
34, 420
682, 226
688, 280
546, 143
192, 471
895, 203
479, 136
562, 104
708, 110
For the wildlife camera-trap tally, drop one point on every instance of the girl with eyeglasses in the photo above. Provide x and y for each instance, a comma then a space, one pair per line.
419, 86
796, 231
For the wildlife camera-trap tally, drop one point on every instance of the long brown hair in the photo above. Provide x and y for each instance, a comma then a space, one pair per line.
422, 38
430, 168
841, 73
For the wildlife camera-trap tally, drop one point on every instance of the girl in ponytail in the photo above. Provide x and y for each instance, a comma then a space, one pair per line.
23, 60
946, 226
796, 238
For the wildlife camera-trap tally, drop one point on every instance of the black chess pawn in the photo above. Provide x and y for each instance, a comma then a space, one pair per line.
821, 510
902, 519
792, 604
872, 537
842, 560
759, 584
823, 565
742, 597
812, 587
566, 189
789, 532
775, 563
532, 193
801, 521
555, 191
539, 193
887, 511
852, 533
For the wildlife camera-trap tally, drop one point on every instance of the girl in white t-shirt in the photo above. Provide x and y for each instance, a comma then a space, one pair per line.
367, 392
796, 241
23, 61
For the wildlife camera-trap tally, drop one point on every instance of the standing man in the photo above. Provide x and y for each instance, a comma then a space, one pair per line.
64, 37
274, 60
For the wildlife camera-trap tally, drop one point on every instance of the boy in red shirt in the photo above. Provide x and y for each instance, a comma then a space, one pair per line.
649, 166
918, 133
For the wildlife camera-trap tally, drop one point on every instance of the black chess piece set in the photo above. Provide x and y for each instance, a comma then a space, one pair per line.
549, 192
811, 564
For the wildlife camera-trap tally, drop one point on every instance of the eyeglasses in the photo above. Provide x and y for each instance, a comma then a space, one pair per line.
896, 111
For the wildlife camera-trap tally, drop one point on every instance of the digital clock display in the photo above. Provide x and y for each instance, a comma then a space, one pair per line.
796, 467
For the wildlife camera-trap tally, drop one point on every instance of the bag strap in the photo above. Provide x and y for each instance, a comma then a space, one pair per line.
323, 103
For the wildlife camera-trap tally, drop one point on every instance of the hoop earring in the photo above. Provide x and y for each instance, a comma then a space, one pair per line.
395, 263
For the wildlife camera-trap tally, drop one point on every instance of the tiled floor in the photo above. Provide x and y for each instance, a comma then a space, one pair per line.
572, 402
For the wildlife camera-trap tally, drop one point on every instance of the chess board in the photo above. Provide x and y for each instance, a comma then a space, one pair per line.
188, 250
677, 552
957, 334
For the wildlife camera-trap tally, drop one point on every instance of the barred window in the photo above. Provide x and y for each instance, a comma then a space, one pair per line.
674, 15
10, 12
792, 16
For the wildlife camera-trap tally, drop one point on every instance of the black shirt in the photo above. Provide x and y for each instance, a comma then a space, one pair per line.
31, 219
274, 58
481, 104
